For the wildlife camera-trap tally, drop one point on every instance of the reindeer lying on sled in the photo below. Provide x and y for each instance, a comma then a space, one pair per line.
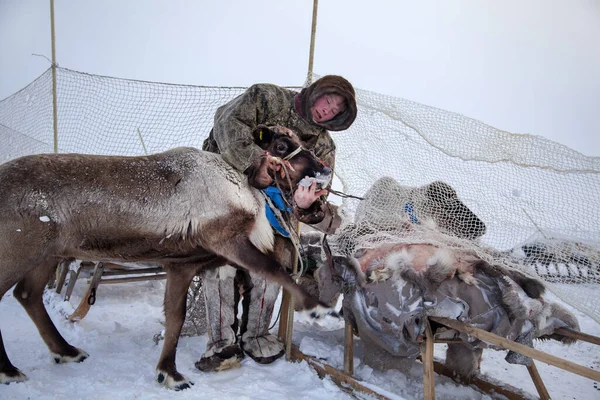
185, 209
411, 255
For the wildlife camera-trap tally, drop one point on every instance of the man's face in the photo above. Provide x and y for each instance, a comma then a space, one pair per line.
327, 107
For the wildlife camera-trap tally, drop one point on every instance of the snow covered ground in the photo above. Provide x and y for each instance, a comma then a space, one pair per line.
118, 334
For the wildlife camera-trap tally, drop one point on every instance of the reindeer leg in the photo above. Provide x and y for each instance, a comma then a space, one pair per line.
8, 372
463, 359
29, 293
178, 281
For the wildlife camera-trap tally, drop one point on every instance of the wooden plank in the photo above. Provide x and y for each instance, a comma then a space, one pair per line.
578, 335
345, 382
428, 368
289, 329
348, 349
519, 348
63, 269
73, 276
134, 279
537, 381
133, 271
480, 382
283, 316
85, 304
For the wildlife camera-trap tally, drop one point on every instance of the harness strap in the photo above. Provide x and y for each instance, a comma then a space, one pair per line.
276, 218
275, 203
293, 153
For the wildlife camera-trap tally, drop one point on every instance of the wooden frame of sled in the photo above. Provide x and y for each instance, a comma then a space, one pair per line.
345, 380
102, 273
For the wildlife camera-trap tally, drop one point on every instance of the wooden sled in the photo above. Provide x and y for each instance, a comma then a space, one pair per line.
345, 380
101, 273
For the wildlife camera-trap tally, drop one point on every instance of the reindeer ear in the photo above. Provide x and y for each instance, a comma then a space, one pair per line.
262, 135
439, 191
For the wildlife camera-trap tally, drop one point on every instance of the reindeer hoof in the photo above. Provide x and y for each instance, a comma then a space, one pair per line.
174, 383
79, 356
13, 375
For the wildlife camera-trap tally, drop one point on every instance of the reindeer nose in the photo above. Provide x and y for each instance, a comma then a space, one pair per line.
326, 170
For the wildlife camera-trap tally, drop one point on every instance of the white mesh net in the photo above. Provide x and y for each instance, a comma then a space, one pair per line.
536, 197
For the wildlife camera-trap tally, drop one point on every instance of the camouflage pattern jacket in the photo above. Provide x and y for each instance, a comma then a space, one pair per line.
269, 104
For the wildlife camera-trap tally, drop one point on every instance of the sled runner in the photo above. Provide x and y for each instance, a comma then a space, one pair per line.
101, 273
345, 379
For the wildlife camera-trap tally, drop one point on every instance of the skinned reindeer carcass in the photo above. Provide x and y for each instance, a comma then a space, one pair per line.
185, 209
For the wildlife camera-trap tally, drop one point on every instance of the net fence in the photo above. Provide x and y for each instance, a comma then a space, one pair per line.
428, 175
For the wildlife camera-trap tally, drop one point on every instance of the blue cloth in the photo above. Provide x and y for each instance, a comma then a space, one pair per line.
277, 199
409, 208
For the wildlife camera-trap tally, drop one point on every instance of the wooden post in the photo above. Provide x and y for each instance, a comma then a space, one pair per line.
480, 382
427, 360
286, 321
89, 298
287, 305
348, 349
63, 269
313, 32
537, 381
289, 328
345, 382
285, 308
519, 348
578, 335
54, 96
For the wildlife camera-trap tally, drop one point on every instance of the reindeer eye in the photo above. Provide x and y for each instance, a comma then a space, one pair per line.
281, 147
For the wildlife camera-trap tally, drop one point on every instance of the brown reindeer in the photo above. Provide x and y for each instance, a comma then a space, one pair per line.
185, 209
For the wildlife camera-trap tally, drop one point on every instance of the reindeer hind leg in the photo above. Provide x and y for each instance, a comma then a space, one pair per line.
463, 359
8, 372
29, 293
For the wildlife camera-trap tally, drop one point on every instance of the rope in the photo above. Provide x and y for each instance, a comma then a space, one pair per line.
294, 235
344, 195
293, 153
280, 304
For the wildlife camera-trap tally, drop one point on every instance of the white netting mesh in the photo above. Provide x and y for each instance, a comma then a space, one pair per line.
104, 115
536, 198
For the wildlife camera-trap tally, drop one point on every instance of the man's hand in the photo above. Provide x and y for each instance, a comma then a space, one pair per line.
304, 196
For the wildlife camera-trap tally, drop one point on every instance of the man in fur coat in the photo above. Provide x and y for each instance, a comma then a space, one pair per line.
327, 104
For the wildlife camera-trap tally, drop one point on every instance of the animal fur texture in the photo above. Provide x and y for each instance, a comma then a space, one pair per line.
185, 209
423, 264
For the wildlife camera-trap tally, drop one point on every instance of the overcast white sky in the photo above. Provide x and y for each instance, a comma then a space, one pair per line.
525, 66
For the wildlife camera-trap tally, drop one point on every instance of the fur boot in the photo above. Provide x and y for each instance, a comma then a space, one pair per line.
259, 302
222, 350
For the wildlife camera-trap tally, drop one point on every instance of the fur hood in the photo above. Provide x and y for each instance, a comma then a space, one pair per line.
330, 84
